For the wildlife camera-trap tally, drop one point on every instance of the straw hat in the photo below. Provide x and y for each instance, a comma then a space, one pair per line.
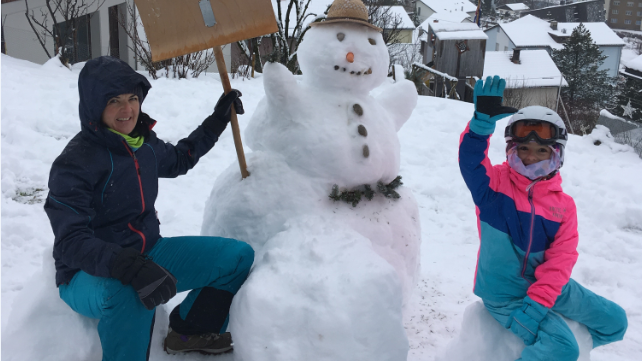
347, 11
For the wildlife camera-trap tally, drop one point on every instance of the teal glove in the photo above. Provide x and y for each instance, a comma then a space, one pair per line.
488, 105
524, 321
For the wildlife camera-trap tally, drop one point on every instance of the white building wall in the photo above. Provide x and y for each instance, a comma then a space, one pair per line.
22, 42
612, 62
492, 38
503, 41
423, 11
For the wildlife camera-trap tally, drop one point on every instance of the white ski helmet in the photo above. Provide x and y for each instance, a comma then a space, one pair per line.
526, 125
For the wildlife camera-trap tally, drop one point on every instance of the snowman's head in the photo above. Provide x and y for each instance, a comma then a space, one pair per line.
344, 56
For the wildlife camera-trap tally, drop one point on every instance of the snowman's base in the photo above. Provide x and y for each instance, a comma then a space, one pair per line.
482, 338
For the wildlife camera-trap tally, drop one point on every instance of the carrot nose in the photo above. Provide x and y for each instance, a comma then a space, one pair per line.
350, 57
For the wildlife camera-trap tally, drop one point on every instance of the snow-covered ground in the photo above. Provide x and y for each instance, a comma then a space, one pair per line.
40, 114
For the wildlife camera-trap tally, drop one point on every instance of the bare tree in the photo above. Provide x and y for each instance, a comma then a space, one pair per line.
64, 33
190, 65
381, 15
286, 40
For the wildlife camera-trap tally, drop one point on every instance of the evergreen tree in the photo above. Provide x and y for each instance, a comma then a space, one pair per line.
589, 89
629, 101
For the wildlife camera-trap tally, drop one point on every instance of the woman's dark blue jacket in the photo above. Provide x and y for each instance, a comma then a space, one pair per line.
101, 192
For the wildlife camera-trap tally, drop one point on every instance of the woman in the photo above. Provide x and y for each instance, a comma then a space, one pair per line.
111, 261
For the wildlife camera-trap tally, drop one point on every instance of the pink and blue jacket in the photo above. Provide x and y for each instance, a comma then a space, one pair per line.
528, 230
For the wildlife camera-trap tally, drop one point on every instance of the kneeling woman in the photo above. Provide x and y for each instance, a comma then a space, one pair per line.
111, 261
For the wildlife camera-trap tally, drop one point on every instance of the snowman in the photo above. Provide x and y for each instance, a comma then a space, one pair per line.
330, 279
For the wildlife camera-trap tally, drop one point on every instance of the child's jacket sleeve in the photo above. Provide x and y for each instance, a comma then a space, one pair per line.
475, 166
554, 273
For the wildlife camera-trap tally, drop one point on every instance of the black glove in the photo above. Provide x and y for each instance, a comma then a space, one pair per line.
222, 111
154, 284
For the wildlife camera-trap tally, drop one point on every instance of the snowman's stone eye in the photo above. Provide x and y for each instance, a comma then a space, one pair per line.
372, 41
341, 36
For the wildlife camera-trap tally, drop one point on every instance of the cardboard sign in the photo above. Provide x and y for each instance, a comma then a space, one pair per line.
179, 27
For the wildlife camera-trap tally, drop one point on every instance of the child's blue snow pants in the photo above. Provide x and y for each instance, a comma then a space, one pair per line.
605, 320
125, 325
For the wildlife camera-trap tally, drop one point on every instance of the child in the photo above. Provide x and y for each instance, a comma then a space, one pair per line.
528, 231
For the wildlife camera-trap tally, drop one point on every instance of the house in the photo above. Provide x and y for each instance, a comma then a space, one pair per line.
532, 78
572, 12
406, 27
624, 14
530, 32
425, 8
98, 32
456, 50
633, 68
512, 9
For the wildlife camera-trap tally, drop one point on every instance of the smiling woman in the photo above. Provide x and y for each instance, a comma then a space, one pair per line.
121, 113
111, 262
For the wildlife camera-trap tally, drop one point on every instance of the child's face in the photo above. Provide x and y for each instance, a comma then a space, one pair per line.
532, 152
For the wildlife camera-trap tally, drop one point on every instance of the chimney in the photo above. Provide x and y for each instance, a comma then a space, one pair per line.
515, 58
435, 21
554, 25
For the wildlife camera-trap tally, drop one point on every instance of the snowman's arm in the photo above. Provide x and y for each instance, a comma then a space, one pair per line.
281, 88
399, 99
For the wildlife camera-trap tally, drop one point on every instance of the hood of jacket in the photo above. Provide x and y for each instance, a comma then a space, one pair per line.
100, 80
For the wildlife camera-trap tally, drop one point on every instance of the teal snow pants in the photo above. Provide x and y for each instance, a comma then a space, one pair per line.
605, 320
209, 266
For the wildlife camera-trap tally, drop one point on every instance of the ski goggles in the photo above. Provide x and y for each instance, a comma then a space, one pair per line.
544, 133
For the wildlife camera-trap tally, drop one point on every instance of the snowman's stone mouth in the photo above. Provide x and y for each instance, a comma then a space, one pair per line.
352, 72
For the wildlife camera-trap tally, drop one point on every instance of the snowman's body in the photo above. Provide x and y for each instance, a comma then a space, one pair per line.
333, 276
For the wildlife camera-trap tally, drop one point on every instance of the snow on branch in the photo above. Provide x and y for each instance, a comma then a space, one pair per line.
436, 72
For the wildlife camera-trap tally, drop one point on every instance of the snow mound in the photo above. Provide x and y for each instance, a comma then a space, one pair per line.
44, 320
328, 297
482, 338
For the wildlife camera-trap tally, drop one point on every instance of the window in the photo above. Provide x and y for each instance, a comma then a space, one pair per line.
629, 3
640, 12
629, 12
627, 22
505, 48
76, 47
616, 3
639, 22
613, 20
418, 10
614, 11
496, 47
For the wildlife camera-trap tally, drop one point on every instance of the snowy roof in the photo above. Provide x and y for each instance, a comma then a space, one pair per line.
635, 64
449, 31
447, 17
450, 5
400, 13
517, 6
532, 31
536, 69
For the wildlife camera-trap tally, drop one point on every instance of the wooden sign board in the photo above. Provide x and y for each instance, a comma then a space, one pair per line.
178, 27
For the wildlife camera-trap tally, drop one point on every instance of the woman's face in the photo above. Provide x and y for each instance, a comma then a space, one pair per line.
121, 113
532, 152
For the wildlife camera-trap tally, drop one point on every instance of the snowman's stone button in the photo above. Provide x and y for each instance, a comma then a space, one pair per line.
358, 109
362, 130
366, 151
341, 36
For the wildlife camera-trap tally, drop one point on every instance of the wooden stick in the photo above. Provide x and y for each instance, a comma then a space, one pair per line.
236, 132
